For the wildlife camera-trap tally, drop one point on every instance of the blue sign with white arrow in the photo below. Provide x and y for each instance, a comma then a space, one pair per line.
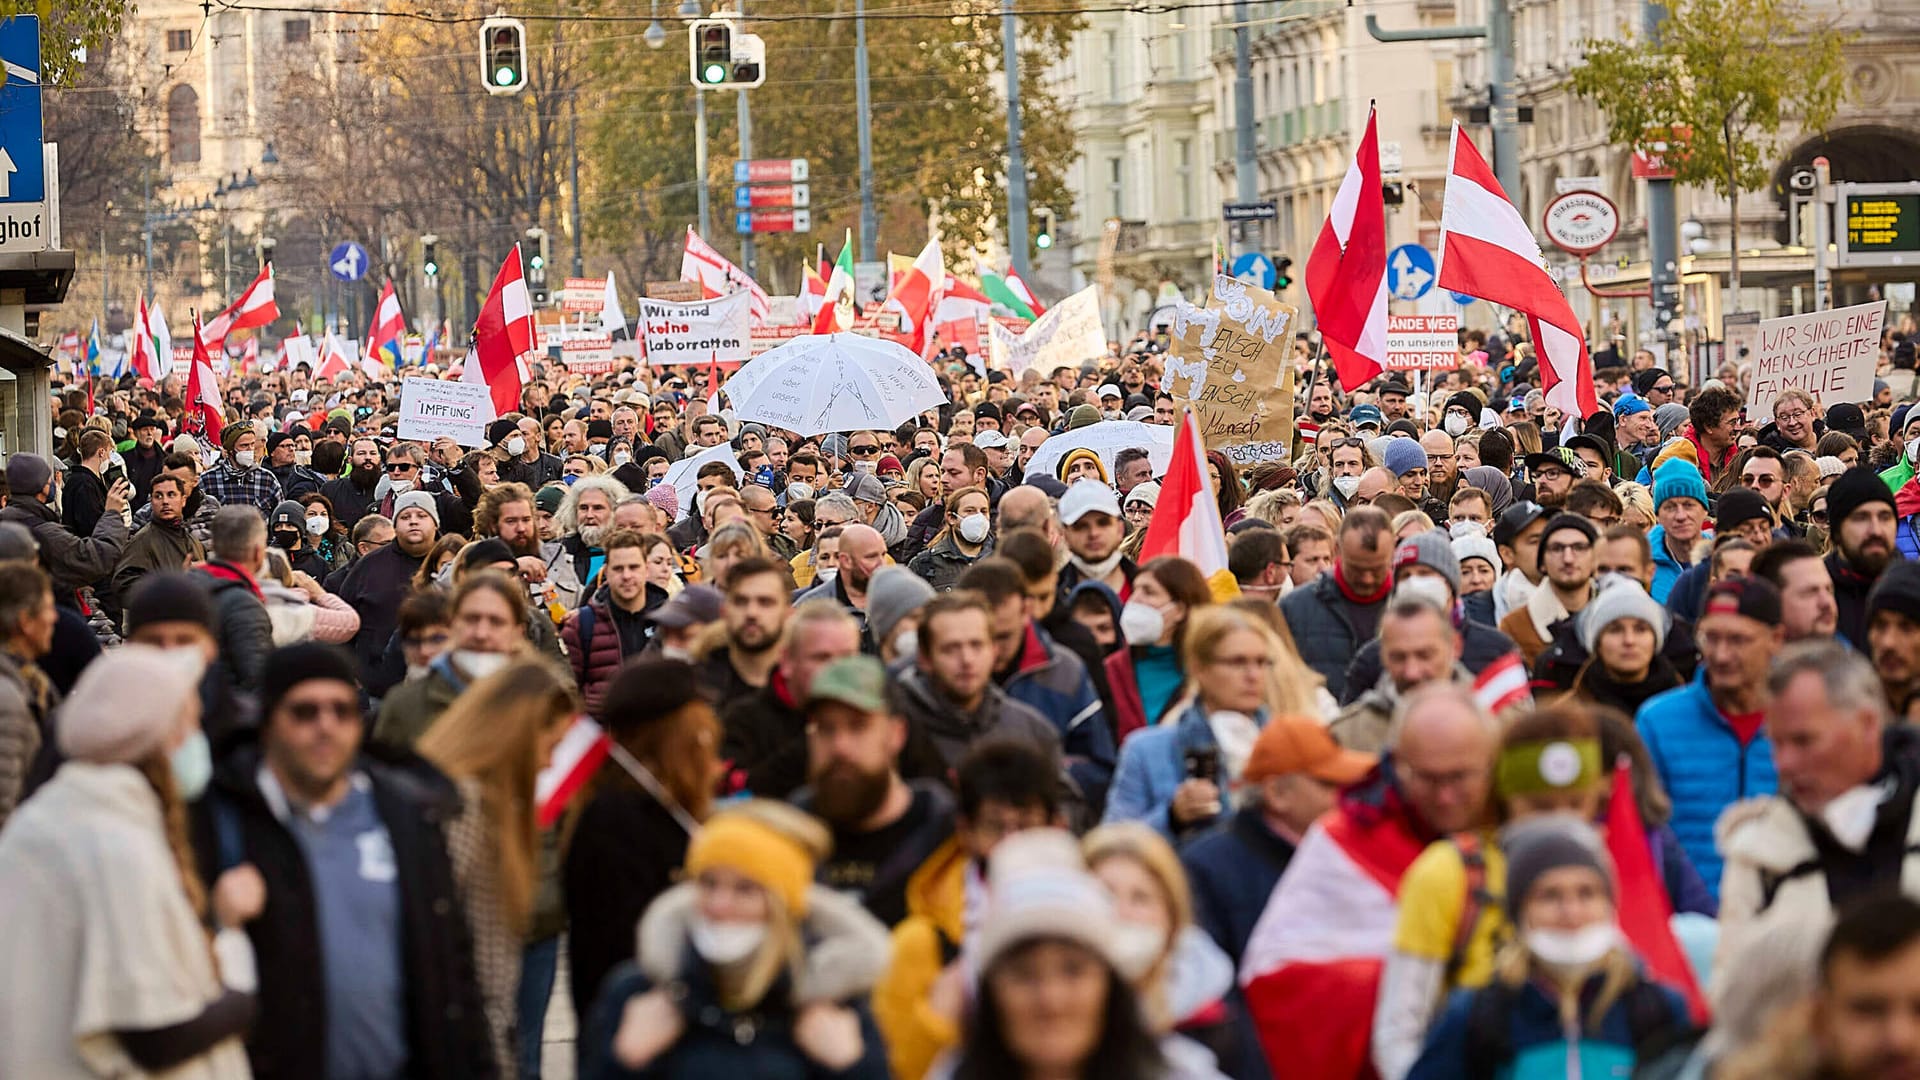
1256, 269
23, 172
1409, 272
348, 261
1462, 298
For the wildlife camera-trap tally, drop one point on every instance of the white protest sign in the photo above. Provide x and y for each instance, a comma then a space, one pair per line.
1829, 354
587, 354
1422, 342
683, 476
430, 409
1069, 333
698, 333
1106, 438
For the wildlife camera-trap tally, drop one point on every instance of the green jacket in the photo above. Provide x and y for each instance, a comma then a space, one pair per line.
1898, 476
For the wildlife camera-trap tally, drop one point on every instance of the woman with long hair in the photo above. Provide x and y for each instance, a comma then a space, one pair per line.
748, 968
966, 538
436, 570
923, 476
734, 542
103, 909
1227, 488
627, 838
329, 538
1146, 675
492, 743
1624, 632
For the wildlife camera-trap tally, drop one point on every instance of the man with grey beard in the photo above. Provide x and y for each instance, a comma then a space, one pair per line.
582, 522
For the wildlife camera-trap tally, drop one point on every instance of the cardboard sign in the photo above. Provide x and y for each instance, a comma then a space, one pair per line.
697, 333
587, 354
1423, 342
1229, 363
430, 409
584, 295
1829, 354
1068, 334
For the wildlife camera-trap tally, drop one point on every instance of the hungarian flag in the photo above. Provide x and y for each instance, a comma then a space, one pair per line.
202, 414
386, 337
1347, 272
837, 305
997, 290
917, 292
1645, 916
1487, 250
813, 292
1018, 285
1186, 519
502, 337
572, 764
256, 307
717, 277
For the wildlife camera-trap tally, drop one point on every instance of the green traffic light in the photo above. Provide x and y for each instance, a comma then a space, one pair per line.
537, 262
1043, 241
714, 73
504, 75
431, 269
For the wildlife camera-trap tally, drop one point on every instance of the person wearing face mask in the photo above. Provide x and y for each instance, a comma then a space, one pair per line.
1146, 675
287, 530
894, 600
1184, 980
489, 620
747, 968
522, 459
966, 539
1567, 997
104, 904
240, 478
327, 536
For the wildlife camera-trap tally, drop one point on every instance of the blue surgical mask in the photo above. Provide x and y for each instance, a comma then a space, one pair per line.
192, 766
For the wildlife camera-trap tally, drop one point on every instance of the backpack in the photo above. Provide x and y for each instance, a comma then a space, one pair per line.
1473, 859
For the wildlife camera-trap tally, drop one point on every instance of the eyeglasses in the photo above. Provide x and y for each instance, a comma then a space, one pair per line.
868, 450
1579, 547
306, 712
1758, 480
1819, 516
1793, 416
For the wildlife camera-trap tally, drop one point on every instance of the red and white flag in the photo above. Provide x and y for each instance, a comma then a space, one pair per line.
574, 761
203, 415
916, 295
335, 359
502, 337
143, 356
718, 277
250, 356
386, 337
1347, 272
1503, 685
256, 307
1644, 912
1486, 250
1186, 520
813, 292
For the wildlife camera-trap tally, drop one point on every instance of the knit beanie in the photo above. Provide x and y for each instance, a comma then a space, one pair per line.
1431, 549
894, 593
1081, 454
1620, 598
549, 498
1740, 505
1669, 417
1466, 403
645, 693
666, 498
484, 552
1855, 488
757, 851
1476, 545
292, 665
1561, 522
417, 500
1536, 845
27, 474
1038, 887
127, 703
1680, 479
1082, 416
1403, 456
1898, 590
169, 596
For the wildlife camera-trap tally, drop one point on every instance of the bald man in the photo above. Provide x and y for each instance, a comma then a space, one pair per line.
1026, 507
861, 554
1374, 483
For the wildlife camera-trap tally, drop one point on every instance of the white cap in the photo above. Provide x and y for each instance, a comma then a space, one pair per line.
1085, 497
1145, 492
1830, 465
990, 440
1110, 390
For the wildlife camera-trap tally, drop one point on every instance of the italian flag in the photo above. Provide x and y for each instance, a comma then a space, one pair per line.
1002, 293
837, 307
1186, 520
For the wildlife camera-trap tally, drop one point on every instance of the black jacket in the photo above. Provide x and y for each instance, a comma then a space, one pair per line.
1850, 597
374, 586
351, 502
83, 498
765, 740
536, 474
142, 467
1559, 665
297, 480
446, 1030
625, 851
245, 634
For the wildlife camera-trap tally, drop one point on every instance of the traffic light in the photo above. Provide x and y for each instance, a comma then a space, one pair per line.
537, 264
1281, 277
503, 55
1044, 238
721, 58
429, 255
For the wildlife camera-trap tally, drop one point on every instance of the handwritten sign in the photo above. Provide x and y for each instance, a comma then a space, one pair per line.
430, 409
1422, 342
1829, 354
697, 333
1229, 362
1069, 334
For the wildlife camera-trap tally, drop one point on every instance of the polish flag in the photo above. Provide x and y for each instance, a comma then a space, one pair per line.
718, 277
335, 359
256, 307
1486, 250
574, 761
203, 415
1186, 520
1019, 287
1644, 914
386, 336
1347, 272
503, 336
144, 356
917, 293
1503, 685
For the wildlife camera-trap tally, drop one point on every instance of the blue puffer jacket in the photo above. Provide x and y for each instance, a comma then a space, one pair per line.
1666, 568
1703, 767
1153, 764
1323, 630
1055, 683
1533, 1044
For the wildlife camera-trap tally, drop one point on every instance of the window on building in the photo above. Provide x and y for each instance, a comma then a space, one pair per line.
183, 125
1114, 167
1112, 40
1183, 169
179, 40
297, 31
1183, 52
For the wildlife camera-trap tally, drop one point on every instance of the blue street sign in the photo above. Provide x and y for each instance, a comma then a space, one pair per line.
1256, 268
1409, 272
1462, 298
348, 261
743, 221
742, 197
23, 174
740, 172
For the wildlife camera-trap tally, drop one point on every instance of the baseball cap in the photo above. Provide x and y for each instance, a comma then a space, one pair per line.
1516, 519
990, 440
1754, 597
1086, 497
1146, 492
1366, 414
694, 604
1560, 457
1299, 744
1110, 390
858, 682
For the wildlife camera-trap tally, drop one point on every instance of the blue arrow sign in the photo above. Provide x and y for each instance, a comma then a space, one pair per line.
348, 261
1462, 298
1256, 268
23, 175
1409, 272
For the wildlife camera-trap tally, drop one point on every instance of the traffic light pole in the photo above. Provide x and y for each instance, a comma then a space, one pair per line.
1245, 178
1016, 159
744, 117
1663, 246
700, 160
869, 221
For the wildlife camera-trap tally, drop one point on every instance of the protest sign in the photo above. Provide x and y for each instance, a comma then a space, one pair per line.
1070, 333
587, 354
1829, 354
683, 477
1230, 364
697, 333
430, 409
584, 295
677, 291
1422, 342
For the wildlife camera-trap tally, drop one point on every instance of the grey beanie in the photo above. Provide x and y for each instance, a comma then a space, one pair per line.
1432, 549
17, 541
1669, 417
1536, 845
866, 488
422, 500
1621, 598
894, 593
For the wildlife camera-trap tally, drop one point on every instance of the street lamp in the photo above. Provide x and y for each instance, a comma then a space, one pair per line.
1695, 234
656, 34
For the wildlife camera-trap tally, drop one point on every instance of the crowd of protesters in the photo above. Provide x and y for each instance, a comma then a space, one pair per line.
911, 766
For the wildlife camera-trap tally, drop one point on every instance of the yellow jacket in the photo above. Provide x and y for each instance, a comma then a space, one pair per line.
923, 944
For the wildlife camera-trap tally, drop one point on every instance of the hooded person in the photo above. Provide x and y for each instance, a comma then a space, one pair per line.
870, 495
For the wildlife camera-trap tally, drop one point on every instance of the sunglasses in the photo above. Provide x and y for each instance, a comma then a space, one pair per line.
863, 451
1667, 389
401, 466
306, 712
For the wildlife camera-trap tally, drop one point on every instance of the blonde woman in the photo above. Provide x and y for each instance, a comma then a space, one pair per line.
1638, 502
733, 542
492, 743
299, 609
747, 968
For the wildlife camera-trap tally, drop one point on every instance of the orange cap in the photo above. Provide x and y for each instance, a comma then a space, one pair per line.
1299, 744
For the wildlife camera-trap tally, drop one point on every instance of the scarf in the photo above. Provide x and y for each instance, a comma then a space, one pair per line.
1346, 590
225, 571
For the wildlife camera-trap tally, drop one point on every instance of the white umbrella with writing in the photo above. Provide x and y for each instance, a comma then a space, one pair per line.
1106, 438
834, 382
